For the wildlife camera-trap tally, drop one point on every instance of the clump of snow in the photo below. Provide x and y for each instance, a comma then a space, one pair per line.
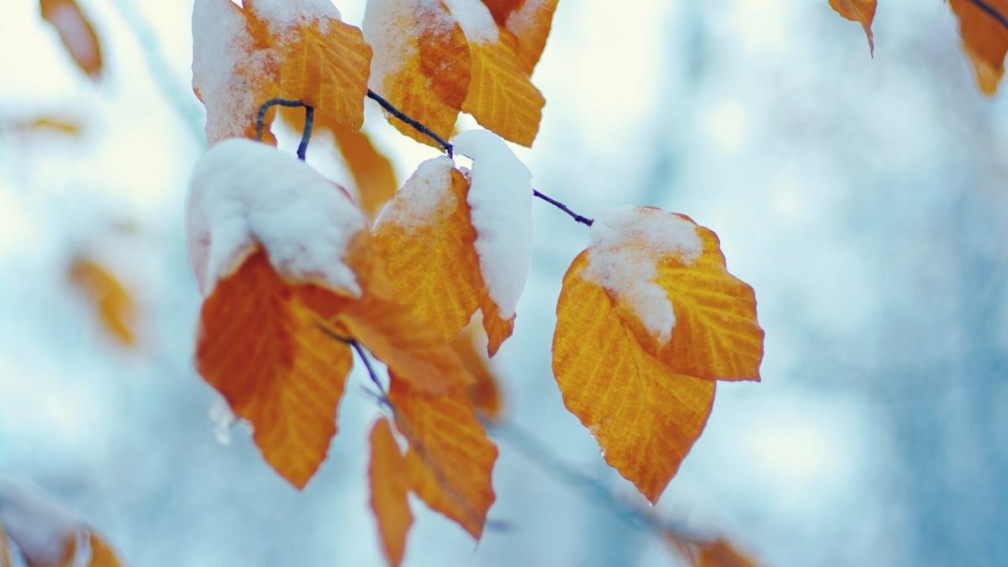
389, 29
475, 19
225, 68
40, 525
500, 201
243, 192
424, 198
281, 15
626, 245
223, 420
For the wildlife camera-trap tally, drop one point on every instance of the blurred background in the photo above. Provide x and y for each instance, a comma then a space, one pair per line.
865, 199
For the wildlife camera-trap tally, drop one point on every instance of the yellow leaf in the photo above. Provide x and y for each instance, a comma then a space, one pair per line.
421, 63
101, 554
485, 392
372, 172
644, 415
450, 458
985, 40
261, 347
861, 11
116, 308
501, 96
76, 32
526, 24
389, 483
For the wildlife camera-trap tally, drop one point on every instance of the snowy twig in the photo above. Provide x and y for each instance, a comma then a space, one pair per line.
446, 146
308, 122
992, 12
449, 149
171, 88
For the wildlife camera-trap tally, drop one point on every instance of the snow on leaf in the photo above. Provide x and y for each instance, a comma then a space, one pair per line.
243, 193
450, 457
389, 483
670, 287
861, 11
116, 309
420, 64
76, 32
262, 348
500, 204
372, 172
501, 97
644, 415
985, 40
526, 24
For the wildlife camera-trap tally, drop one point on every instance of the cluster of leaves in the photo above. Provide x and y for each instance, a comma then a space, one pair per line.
296, 280
983, 25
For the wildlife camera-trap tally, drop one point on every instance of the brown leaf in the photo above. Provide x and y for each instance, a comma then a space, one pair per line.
985, 39
861, 11
77, 34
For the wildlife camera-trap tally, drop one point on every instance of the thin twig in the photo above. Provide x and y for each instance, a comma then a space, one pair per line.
992, 12
309, 121
370, 369
447, 147
581, 219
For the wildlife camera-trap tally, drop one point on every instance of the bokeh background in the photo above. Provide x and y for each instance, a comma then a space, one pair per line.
865, 199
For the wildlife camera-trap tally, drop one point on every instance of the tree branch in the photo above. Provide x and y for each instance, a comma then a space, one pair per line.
992, 12
308, 123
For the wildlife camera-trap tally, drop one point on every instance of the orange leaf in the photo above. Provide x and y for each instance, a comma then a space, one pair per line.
76, 33
862, 11
101, 554
668, 280
644, 415
985, 39
389, 492
720, 553
527, 23
501, 96
450, 458
485, 393
421, 62
5, 556
372, 172
116, 307
261, 347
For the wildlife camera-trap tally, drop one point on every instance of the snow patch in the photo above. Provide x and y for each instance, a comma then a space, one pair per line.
225, 68
243, 192
475, 19
40, 525
389, 29
281, 15
500, 203
424, 198
626, 245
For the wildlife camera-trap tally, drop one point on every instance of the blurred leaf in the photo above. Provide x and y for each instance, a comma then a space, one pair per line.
985, 40
116, 309
861, 11
389, 492
77, 34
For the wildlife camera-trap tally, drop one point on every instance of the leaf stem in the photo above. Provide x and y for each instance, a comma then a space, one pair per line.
577, 218
309, 121
419, 127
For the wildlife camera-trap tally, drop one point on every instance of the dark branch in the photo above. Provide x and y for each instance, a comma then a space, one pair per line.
990, 11
370, 370
309, 121
447, 147
581, 219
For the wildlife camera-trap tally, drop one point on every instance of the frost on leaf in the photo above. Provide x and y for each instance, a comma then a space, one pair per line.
985, 40
390, 488
648, 318
456, 244
450, 459
243, 57
76, 32
861, 11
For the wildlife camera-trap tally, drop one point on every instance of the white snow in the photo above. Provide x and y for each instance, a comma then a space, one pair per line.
500, 201
243, 192
476, 20
424, 198
626, 245
225, 67
388, 27
223, 420
39, 524
281, 15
